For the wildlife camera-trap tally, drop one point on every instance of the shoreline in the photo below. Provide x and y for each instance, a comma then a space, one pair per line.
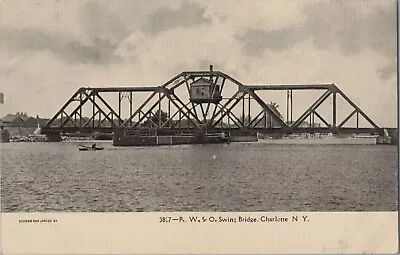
280, 141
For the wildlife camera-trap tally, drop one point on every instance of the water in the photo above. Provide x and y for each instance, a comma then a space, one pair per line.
236, 177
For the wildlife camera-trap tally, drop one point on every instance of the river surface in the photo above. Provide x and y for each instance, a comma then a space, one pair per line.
44, 177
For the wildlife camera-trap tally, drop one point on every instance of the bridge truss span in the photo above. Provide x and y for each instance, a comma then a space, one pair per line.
211, 101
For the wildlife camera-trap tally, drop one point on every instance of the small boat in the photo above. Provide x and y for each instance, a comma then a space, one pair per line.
89, 148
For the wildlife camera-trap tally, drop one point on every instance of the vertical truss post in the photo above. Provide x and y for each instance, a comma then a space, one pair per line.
249, 112
159, 109
291, 106
180, 118
112, 120
243, 117
357, 119
93, 109
206, 112
130, 107
169, 112
287, 106
213, 114
202, 111
334, 109
313, 119
265, 119
119, 106
270, 121
80, 109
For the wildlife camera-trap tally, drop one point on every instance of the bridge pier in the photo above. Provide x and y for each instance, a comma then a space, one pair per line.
53, 137
394, 135
243, 136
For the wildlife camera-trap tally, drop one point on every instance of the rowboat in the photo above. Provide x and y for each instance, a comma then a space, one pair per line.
89, 148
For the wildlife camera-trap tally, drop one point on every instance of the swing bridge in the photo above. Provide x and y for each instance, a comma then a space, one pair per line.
212, 102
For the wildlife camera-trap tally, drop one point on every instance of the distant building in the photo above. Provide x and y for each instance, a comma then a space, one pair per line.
31, 122
4, 134
23, 120
13, 120
41, 122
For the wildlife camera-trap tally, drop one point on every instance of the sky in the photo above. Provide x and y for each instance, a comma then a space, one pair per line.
50, 48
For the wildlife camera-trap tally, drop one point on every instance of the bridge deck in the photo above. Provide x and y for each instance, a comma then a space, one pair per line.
70, 130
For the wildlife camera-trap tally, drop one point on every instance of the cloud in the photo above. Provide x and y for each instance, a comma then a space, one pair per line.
100, 24
165, 18
347, 25
64, 46
385, 73
100, 32
258, 40
97, 34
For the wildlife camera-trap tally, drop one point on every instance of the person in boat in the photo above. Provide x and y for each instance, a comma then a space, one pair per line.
94, 145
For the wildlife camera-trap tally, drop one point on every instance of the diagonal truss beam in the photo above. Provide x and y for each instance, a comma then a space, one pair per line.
173, 116
62, 108
251, 92
109, 107
112, 124
356, 107
312, 108
322, 119
169, 93
172, 80
267, 108
70, 119
139, 109
222, 109
90, 119
347, 118
148, 111
216, 113
235, 120
81, 104
98, 108
148, 116
255, 118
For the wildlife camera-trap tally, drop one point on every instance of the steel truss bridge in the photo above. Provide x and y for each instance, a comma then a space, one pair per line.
169, 109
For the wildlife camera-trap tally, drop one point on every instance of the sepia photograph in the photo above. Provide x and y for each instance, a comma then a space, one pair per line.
198, 106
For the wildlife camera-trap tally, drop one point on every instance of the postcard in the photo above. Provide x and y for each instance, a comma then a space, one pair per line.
199, 127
